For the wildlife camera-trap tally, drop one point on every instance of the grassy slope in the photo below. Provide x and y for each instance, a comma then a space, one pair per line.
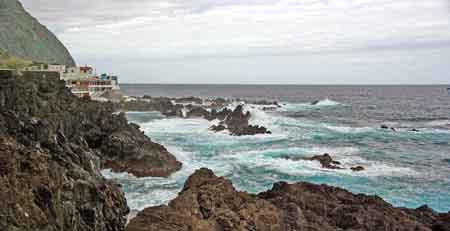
24, 37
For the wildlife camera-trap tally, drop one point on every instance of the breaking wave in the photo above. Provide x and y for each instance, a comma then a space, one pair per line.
254, 163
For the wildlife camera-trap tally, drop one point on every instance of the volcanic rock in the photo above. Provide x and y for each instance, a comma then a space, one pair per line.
196, 111
357, 168
315, 102
208, 202
218, 128
190, 99
221, 115
326, 161
384, 126
238, 123
49, 175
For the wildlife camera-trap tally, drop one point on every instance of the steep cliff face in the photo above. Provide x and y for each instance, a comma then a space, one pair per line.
52, 147
23, 36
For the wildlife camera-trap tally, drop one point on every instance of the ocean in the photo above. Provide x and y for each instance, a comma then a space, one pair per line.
406, 168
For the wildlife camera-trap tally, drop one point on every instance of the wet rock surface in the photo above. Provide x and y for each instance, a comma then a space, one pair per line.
52, 147
326, 161
235, 121
208, 202
357, 168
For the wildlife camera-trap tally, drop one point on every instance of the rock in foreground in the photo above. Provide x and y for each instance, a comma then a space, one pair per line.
208, 202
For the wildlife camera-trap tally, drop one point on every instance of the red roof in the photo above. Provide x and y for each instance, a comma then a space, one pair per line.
86, 69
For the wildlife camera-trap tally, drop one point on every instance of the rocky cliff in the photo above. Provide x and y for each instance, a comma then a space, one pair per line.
52, 147
208, 202
23, 36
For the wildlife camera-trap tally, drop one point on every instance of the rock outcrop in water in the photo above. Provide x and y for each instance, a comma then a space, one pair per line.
326, 161
124, 148
238, 123
23, 36
235, 121
52, 147
208, 202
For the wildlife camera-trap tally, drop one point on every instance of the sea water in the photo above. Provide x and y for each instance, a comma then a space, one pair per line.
406, 168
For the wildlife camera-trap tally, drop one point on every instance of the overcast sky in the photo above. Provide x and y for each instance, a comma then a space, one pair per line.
256, 41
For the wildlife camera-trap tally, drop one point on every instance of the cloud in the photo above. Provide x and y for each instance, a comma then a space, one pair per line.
177, 29
203, 27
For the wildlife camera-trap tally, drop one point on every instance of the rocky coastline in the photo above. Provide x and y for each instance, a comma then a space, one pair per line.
53, 146
236, 121
208, 202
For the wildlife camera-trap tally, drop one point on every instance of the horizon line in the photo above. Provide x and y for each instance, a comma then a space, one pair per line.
295, 84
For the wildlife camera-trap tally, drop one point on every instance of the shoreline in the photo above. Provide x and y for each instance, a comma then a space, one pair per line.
74, 138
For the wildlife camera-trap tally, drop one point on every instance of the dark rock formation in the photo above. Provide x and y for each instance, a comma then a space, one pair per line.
326, 161
315, 102
265, 102
23, 36
238, 123
52, 147
197, 111
221, 115
437, 221
218, 128
384, 126
357, 168
211, 203
49, 175
126, 149
189, 100
269, 108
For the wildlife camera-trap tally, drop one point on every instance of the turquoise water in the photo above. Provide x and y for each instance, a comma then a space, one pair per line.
405, 168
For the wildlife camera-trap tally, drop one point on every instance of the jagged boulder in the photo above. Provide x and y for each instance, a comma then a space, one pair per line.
326, 161
238, 123
208, 202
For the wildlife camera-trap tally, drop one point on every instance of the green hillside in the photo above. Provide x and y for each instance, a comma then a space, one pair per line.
24, 37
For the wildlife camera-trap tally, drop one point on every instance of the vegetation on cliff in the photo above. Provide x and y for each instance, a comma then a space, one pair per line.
24, 37
11, 62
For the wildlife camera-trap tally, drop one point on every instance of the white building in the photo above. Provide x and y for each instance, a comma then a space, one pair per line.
82, 81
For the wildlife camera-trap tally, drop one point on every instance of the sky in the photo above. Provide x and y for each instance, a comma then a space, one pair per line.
256, 41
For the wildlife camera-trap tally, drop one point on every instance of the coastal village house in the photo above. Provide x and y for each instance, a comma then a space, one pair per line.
82, 81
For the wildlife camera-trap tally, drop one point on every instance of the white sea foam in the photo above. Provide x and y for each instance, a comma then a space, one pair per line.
177, 125
334, 151
343, 129
293, 107
327, 102
308, 168
191, 141
152, 190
